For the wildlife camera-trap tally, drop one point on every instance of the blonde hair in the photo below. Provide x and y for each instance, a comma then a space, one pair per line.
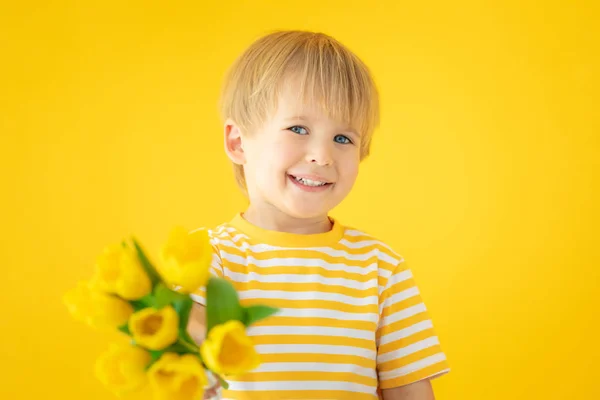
328, 72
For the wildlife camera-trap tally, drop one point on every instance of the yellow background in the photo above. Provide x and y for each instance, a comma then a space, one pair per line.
484, 173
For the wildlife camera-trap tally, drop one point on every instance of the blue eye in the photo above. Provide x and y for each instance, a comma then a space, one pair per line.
299, 130
342, 139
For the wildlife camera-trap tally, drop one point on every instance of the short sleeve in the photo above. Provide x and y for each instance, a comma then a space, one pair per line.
408, 349
216, 269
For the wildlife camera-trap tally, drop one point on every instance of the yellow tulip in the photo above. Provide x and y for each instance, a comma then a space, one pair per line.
228, 350
175, 377
185, 259
122, 369
155, 329
96, 308
119, 271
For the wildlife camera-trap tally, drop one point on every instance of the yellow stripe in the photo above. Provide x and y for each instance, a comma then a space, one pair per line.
299, 269
404, 323
407, 341
398, 287
359, 238
409, 359
304, 287
315, 340
297, 395
415, 376
325, 322
322, 304
301, 253
306, 376
402, 305
320, 358
382, 264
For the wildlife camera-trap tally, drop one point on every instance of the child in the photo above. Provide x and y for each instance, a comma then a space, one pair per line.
299, 111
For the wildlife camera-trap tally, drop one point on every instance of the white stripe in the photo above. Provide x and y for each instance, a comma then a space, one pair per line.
410, 368
410, 349
239, 237
217, 236
299, 278
385, 273
220, 229
403, 295
198, 298
398, 297
217, 231
301, 385
403, 314
362, 243
263, 248
299, 262
315, 349
369, 239
280, 294
215, 262
316, 367
225, 227
399, 277
354, 232
311, 331
389, 259
406, 332
396, 278
323, 313
226, 237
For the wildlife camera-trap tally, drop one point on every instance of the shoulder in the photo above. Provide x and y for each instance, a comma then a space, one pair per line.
359, 240
391, 266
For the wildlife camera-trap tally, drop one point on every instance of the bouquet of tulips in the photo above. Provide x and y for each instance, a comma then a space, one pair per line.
151, 304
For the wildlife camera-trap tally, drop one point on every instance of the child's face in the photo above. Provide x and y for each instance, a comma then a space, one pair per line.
300, 161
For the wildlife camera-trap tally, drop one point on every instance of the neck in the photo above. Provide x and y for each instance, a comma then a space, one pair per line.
269, 218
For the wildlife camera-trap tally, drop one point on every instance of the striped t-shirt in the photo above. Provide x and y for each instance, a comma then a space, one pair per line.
351, 318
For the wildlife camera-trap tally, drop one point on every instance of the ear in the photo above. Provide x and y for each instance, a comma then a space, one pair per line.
233, 143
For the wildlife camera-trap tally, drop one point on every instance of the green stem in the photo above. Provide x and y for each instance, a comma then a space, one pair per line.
191, 347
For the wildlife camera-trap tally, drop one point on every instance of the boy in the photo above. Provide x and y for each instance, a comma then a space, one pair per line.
299, 111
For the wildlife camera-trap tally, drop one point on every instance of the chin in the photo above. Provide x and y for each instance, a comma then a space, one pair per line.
303, 212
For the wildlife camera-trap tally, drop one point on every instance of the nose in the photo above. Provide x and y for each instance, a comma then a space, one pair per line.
320, 154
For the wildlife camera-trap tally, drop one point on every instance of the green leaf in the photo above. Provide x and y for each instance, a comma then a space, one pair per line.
183, 306
163, 296
125, 329
255, 313
155, 355
144, 302
182, 347
222, 303
146, 264
222, 381
185, 335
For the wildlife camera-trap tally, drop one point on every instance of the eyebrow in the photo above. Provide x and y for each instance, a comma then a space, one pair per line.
296, 118
348, 129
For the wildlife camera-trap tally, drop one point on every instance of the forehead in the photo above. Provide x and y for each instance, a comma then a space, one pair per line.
297, 102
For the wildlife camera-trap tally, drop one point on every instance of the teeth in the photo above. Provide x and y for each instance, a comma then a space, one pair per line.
309, 182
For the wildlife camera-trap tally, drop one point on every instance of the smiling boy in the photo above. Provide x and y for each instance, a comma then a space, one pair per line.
300, 110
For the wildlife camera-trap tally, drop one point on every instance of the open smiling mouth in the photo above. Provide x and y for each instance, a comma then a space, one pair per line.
309, 184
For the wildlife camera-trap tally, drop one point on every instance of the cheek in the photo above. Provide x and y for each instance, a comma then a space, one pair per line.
348, 168
271, 160
283, 154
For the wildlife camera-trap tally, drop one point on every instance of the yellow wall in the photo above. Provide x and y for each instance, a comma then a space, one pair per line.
484, 173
